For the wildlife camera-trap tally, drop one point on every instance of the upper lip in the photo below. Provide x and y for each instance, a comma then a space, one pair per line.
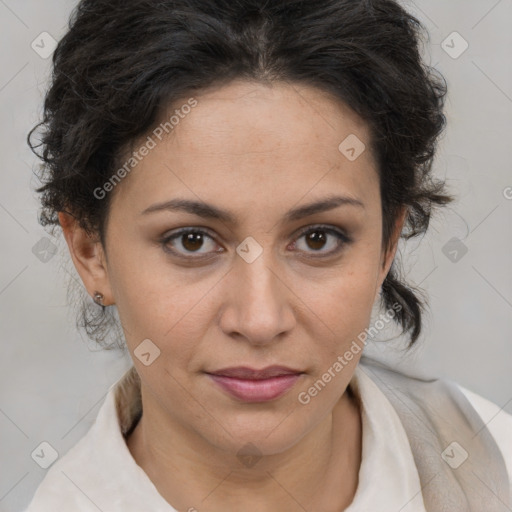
245, 372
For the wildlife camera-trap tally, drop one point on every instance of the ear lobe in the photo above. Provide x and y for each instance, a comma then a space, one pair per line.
88, 257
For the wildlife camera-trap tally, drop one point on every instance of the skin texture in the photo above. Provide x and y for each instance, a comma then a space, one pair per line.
257, 151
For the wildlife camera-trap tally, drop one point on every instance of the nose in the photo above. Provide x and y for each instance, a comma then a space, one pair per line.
258, 302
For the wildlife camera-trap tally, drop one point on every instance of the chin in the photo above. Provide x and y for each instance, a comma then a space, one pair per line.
265, 434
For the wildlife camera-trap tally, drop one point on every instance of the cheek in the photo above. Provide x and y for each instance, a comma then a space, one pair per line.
342, 301
344, 308
158, 303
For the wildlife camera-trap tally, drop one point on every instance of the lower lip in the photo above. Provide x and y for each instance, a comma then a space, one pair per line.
256, 390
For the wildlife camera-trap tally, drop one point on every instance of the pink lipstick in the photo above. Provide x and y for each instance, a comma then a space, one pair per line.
252, 385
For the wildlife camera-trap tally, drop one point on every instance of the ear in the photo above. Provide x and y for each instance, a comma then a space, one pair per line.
389, 255
88, 257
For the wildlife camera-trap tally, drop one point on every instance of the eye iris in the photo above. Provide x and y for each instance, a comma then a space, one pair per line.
316, 237
192, 241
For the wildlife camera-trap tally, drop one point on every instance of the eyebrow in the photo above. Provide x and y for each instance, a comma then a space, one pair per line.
209, 211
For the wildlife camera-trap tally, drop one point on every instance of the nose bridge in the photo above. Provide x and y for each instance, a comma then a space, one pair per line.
259, 301
255, 263
261, 277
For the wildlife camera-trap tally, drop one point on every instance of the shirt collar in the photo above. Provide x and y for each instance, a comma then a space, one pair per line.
385, 444
99, 472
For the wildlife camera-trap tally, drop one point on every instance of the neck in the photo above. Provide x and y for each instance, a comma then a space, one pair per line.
320, 472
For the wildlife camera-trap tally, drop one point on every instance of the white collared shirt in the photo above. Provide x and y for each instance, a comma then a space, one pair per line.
99, 472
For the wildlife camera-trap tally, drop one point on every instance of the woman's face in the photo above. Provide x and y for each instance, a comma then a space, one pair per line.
254, 289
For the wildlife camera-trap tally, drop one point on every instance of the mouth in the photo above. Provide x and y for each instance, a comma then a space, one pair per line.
253, 385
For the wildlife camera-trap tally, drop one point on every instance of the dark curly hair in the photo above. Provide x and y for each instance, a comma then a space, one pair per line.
122, 61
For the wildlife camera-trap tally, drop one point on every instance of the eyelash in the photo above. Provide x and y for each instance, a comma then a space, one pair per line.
342, 237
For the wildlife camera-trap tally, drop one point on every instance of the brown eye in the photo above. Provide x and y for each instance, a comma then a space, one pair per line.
322, 240
190, 241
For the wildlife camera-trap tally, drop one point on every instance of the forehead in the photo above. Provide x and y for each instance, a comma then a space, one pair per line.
246, 140
244, 114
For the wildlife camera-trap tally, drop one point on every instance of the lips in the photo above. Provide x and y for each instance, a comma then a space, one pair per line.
252, 385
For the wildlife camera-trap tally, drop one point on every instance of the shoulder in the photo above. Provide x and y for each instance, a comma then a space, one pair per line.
441, 417
71, 482
447, 408
58, 489
98, 472
498, 422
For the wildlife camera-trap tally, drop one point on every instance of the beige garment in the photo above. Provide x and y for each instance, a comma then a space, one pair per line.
461, 467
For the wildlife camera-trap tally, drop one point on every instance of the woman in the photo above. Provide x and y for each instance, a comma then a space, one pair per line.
234, 178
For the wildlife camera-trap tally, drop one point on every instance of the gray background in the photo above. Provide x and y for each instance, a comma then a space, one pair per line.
53, 381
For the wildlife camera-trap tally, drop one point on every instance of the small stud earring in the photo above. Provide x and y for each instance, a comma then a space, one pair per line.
98, 298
